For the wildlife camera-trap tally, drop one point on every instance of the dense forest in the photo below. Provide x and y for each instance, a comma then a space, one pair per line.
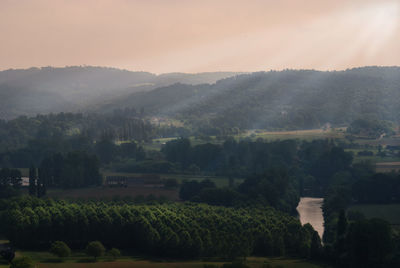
360, 186
279, 100
174, 230
80, 88
302, 167
347, 233
27, 141
290, 99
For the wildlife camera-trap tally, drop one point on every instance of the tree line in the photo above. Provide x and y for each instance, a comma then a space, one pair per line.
173, 230
273, 188
351, 240
26, 141
312, 163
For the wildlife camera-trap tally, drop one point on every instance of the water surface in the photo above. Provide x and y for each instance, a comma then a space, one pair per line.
310, 211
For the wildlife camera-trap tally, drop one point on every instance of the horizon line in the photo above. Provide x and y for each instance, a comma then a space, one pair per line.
182, 72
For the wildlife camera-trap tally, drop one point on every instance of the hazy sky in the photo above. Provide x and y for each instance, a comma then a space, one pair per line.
200, 35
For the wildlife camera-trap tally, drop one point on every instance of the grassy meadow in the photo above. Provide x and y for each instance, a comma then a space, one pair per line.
387, 166
46, 260
220, 181
388, 212
78, 259
108, 193
309, 134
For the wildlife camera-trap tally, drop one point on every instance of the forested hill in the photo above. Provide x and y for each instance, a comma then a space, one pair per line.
286, 99
45, 90
290, 99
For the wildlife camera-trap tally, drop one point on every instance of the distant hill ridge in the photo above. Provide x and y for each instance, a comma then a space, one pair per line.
290, 99
76, 88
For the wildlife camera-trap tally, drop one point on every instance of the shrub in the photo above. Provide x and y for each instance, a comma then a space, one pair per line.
114, 253
95, 249
23, 262
60, 249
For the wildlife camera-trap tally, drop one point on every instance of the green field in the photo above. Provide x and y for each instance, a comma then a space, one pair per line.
387, 166
374, 158
309, 134
45, 260
219, 181
389, 212
156, 144
109, 193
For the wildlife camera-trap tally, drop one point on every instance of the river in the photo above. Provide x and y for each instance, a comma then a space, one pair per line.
310, 211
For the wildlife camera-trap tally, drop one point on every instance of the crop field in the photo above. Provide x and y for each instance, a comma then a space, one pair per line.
388, 212
218, 180
375, 159
394, 140
387, 167
156, 144
309, 134
133, 191
387, 161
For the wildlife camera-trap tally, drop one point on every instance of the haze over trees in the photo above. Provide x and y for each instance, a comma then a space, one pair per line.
288, 99
53, 90
123, 116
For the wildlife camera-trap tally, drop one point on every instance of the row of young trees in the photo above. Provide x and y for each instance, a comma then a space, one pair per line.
174, 230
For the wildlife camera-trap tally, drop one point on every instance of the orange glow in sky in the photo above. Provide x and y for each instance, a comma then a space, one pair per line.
200, 35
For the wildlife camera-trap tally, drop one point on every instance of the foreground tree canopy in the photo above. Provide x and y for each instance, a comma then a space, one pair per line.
180, 230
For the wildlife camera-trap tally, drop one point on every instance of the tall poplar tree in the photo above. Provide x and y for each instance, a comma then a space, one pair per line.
32, 181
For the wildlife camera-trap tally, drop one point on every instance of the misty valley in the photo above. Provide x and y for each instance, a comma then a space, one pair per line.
113, 168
